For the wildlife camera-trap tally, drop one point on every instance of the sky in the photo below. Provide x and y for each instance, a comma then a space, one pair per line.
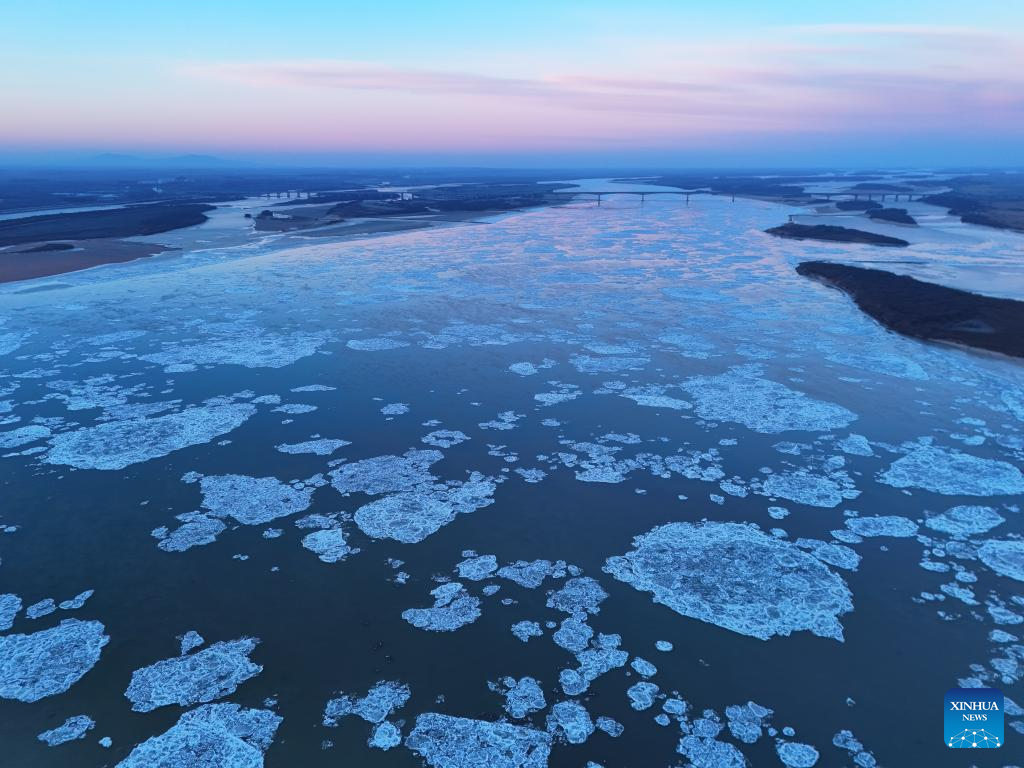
557, 83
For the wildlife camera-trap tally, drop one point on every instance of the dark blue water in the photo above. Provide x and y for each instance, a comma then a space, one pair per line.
664, 331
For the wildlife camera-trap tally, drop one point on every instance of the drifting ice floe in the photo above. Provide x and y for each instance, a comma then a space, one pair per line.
521, 696
249, 347
77, 601
320, 447
329, 544
524, 630
386, 474
578, 596
211, 735
49, 662
803, 487
380, 344
949, 472
745, 721
190, 641
641, 695
795, 755
444, 741
965, 521
737, 577
1004, 557
453, 608
643, 667
571, 720
40, 609
197, 530
602, 657
762, 405
193, 679
118, 444
74, 728
9, 607
375, 707
23, 435
882, 525
531, 574
573, 635
412, 516
444, 438
252, 500
477, 568
385, 736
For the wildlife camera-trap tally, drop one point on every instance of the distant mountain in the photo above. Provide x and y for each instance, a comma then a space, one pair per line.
172, 161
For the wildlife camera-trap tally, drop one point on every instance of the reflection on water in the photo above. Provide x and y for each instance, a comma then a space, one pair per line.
614, 474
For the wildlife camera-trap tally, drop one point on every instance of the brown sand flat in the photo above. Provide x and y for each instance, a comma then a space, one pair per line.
30, 262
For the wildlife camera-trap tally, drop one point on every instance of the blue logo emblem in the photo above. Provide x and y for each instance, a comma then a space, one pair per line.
973, 718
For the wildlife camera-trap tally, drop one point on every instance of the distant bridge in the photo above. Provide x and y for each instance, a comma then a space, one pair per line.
642, 195
599, 194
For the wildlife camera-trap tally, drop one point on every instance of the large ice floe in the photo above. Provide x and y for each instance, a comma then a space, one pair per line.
249, 347
453, 608
737, 577
195, 678
805, 487
119, 444
386, 474
963, 521
741, 395
418, 504
252, 500
247, 500
444, 741
952, 473
411, 516
1004, 557
50, 661
212, 735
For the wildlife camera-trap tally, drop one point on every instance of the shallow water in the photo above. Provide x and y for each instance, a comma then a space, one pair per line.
615, 369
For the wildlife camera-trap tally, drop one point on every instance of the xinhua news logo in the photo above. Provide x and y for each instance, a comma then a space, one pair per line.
973, 718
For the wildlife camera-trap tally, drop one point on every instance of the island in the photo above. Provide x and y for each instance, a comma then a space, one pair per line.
894, 215
128, 221
927, 311
834, 234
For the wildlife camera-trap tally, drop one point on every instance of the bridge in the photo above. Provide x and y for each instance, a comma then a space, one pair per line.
599, 194
642, 195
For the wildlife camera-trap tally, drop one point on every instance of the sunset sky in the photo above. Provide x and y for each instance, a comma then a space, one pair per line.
543, 83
